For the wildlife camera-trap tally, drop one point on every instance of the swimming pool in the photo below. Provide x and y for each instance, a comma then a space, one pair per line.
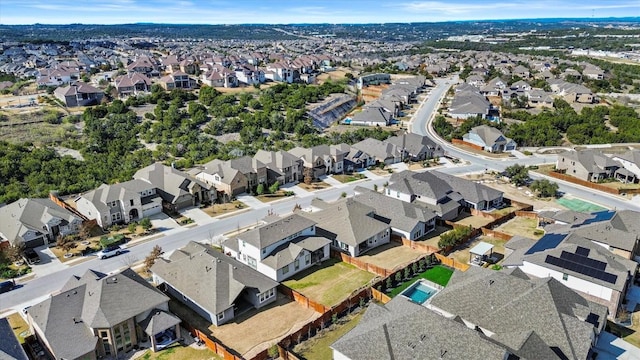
419, 292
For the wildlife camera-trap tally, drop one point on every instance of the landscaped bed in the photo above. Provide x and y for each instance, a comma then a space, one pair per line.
19, 326
318, 185
280, 194
438, 274
345, 178
317, 348
331, 283
216, 210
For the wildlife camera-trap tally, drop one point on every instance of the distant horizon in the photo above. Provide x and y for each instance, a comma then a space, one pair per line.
311, 12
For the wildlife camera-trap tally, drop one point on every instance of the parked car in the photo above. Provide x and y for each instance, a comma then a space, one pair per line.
109, 251
31, 256
7, 286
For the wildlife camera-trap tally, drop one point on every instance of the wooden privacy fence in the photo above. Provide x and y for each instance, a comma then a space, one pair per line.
414, 244
527, 214
585, 183
462, 142
302, 300
211, 344
379, 296
362, 265
452, 262
496, 234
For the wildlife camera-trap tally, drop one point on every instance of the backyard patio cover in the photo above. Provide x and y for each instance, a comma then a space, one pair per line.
481, 249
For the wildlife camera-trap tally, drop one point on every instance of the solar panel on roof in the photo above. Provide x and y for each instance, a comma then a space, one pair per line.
599, 216
583, 260
581, 269
582, 251
549, 241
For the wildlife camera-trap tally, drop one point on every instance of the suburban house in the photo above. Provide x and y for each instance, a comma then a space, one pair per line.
382, 152
227, 181
630, 162
99, 315
371, 116
540, 98
280, 248
281, 166
132, 84
10, 347
78, 94
145, 65
490, 139
409, 221
352, 227
593, 72
373, 79
177, 189
572, 93
281, 72
120, 203
590, 165
319, 160
445, 194
176, 80
215, 286
505, 322
416, 147
580, 264
353, 159
220, 77
468, 104
35, 222
252, 169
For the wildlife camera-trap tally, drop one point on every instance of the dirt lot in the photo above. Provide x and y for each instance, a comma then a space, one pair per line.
521, 226
392, 255
467, 219
255, 330
461, 253
337, 74
319, 185
433, 237
216, 210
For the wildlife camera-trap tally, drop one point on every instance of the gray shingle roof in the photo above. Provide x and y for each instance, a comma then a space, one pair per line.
210, 278
402, 330
347, 221
173, 182
157, 321
402, 215
513, 307
94, 300
276, 230
286, 253
10, 348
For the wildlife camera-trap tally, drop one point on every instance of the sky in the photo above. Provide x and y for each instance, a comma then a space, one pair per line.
301, 11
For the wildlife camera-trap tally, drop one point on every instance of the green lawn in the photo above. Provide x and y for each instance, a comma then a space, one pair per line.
317, 348
179, 352
438, 274
330, 283
344, 178
19, 326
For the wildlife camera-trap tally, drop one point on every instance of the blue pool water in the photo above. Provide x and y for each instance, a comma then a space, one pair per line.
419, 292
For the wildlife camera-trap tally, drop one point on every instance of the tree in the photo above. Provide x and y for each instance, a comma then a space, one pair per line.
146, 224
154, 255
308, 175
132, 227
274, 188
260, 189
85, 229
544, 188
14, 252
65, 243
453, 237
518, 174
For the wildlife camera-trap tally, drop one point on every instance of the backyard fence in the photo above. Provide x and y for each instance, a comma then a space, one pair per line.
462, 142
380, 296
362, 265
527, 214
301, 299
496, 234
452, 262
211, 344
414, 244
585, 183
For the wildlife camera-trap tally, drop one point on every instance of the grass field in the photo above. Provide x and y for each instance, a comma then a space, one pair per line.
579, 205
344, 178
19, 326
317, 348
522, 226
331, 283
438, 274
179, 352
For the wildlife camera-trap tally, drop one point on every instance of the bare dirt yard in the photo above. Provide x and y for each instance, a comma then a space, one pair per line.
467, 219
255, 330
522, 226
461, 252
392, 255
433, 237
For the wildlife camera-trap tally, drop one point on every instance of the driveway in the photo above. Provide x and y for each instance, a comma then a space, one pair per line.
48, 262
610, 347
300, 192
333, 182
199, 217
251, 201
163, 222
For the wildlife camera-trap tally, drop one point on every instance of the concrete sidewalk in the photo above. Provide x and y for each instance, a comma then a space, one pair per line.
610, 347
251, 201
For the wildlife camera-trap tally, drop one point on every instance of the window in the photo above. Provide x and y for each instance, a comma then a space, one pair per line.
296, 264
285, 269
104, 334
131, 202
252, 262
266, 295
220, 316
565, 277
307, 259
127, 335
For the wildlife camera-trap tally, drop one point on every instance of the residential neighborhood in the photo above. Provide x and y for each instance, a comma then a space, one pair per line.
319, 191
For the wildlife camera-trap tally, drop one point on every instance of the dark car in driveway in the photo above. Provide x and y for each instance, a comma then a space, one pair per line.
31, 256
7, 286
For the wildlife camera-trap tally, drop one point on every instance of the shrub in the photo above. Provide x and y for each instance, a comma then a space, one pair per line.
389, 283
453, 237
111, 240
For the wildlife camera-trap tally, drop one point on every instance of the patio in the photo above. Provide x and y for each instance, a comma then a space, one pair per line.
462, 252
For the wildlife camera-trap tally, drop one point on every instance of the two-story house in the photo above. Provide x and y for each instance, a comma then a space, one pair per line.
352, 227
132, 84
177, 189
176, 80
490, 139
120, 203
280, 248
78, 94
215, 286
416, 147
281, 166
590, 165
227, 181
35, 222
99, 315
320, 160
